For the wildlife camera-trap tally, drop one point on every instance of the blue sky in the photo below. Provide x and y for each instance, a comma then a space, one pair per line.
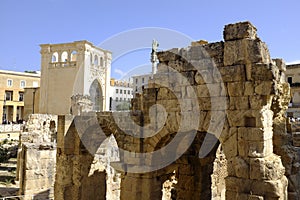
26, 24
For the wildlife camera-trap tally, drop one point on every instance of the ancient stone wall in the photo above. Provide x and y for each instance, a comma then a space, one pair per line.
228, 92
37, 157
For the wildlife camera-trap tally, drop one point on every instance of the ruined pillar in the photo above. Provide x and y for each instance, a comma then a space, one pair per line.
254, 171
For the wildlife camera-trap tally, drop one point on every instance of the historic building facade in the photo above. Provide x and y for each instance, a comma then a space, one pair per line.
121, 93
12, 86
140, 82
293, 78
69, 69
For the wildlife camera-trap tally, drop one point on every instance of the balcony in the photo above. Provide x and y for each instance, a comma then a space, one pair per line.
63, 64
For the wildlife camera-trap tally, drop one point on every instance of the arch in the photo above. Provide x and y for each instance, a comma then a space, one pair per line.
74, 55
101, 62
64, 56
96, 61
54, 57
96, 95
91, 58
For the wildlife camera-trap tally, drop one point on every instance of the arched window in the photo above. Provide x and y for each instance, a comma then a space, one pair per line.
74, 56
101, 61
64, 56
96, 60
91, 58
54, 57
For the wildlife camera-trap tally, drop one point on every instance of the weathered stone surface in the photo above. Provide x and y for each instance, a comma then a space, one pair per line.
242, 52
239, 31
231, 91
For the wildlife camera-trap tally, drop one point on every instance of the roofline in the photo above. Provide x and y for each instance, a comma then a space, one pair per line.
79, 41
293, 66
20, 73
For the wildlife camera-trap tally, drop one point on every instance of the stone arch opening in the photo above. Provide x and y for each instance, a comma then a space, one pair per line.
91, 58
96, 60
96, 95
74, 55
54, 57
64, 56
188, 177
101, 62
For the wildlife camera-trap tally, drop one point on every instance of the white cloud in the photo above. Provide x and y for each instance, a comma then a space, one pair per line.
293, 62
120, 72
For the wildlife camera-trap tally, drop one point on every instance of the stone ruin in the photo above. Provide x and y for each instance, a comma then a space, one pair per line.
222, 104
37, 157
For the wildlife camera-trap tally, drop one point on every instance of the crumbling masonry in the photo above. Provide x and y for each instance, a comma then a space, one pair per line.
239, 95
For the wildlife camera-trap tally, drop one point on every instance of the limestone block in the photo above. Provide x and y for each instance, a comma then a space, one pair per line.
239, 31
264, 88
234, 73
254, 134
204, 76
280, 64
202, 64
164, 56
276, 189
260, 148
259, 101
196, 53
236, 89
238, 103
162, 68
250, 118
164, 93
245, 51
264, 72
239, 185
249, 88
241, 167
210, 90
269, 168
227, 133
213, 103
215, 51
230, 146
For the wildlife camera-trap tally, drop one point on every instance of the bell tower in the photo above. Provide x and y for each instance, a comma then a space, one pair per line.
77, 68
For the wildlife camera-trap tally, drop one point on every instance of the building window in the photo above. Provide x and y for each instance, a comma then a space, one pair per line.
143, 80
290, 80
121, 99
9, 82
136, 88
117, 99
136, 80
128, 92
124, 91
8, 95
21, 96
22, 84
117, 91
121, 91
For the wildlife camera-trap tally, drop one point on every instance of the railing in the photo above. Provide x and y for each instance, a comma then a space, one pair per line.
10, 127
63, 64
